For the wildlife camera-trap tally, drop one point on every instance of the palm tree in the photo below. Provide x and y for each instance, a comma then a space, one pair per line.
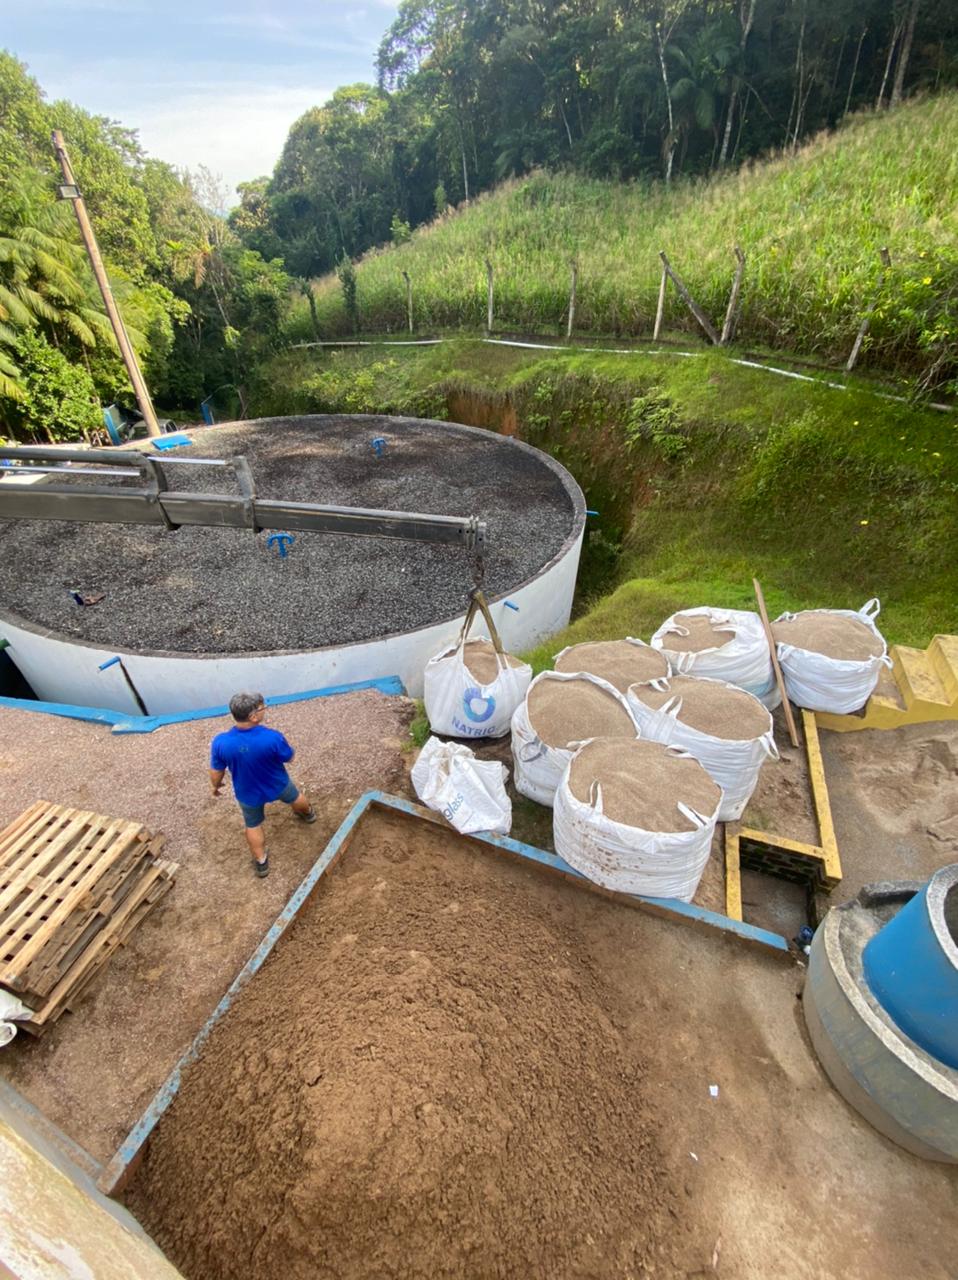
43, 276
707, 66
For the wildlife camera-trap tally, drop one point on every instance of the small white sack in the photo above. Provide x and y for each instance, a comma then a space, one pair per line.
540, 767
733, 763
627, 859
457, 705
745, 660
469, 793
832, 684
10, 1008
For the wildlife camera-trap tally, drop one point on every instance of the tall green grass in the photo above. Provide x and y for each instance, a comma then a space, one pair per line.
811, 225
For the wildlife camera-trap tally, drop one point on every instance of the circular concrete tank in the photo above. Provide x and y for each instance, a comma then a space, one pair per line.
907, 1093
198, 613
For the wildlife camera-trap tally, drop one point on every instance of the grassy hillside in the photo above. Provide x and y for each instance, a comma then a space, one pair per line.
704, 474
811, 225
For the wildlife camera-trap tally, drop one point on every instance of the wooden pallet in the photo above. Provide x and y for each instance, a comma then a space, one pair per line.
73, 887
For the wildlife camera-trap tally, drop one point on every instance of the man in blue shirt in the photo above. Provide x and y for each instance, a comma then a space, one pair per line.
256, 758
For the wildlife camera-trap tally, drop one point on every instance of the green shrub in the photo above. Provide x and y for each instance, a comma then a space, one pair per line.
60, 400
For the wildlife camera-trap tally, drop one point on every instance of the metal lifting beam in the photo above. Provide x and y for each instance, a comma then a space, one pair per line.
155, 503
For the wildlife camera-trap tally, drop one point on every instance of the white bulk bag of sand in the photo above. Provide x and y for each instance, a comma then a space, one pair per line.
721, 644
469, 793
726, 729
560, 711
636, 817
472, 688
621, 662
831, 658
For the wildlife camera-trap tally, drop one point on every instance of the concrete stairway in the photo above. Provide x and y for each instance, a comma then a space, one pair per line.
921, 686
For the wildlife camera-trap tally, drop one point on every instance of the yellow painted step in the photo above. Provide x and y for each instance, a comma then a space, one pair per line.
943, 652
917, 677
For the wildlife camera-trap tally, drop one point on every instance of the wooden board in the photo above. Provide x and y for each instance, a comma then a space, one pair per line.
73, 886
81, 974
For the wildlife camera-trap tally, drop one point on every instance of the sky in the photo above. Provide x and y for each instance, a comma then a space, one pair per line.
213, 82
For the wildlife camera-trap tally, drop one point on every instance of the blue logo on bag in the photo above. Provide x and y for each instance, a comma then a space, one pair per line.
486, 706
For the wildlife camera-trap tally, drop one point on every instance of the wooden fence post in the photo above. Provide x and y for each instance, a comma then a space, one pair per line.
731, 314
489, 298
405, 276
575, 278
660, 309
690, 302
867, 317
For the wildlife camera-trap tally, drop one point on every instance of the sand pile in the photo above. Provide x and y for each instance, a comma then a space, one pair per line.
642, 783
702, 634
619, 662
429, 1078
831, 634
721, 710
564, 711
480, 659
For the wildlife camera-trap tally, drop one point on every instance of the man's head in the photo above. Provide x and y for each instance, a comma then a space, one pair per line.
248, 708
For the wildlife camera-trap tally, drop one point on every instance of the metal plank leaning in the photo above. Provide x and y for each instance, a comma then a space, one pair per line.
117, 1172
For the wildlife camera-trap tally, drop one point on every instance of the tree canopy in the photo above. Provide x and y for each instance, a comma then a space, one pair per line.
197, 302
473, 91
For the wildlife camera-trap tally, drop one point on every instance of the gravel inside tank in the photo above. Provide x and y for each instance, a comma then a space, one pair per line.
207, 590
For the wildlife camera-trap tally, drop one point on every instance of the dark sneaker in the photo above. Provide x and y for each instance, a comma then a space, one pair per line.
307, 817
261, 868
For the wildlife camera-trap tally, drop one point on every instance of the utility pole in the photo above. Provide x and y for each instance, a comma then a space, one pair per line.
70, 191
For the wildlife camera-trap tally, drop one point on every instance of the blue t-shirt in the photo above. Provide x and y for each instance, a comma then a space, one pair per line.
255, 758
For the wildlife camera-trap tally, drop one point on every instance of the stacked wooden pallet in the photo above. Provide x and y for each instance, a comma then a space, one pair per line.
73, 887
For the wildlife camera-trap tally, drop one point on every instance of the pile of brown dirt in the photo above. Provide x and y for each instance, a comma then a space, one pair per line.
712, 707
642, 783
830, 634
564, 711
430, 1077
619, 662
702, 634
480, 659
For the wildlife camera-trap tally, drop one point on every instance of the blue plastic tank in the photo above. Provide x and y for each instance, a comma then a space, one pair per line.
911, 966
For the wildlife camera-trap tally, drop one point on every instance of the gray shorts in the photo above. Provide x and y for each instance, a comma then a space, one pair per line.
254, 814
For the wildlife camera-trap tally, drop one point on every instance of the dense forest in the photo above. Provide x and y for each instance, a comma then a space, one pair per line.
475, 91
639, 96
199, 305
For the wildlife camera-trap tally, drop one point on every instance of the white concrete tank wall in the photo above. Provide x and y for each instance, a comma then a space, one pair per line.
61, 669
